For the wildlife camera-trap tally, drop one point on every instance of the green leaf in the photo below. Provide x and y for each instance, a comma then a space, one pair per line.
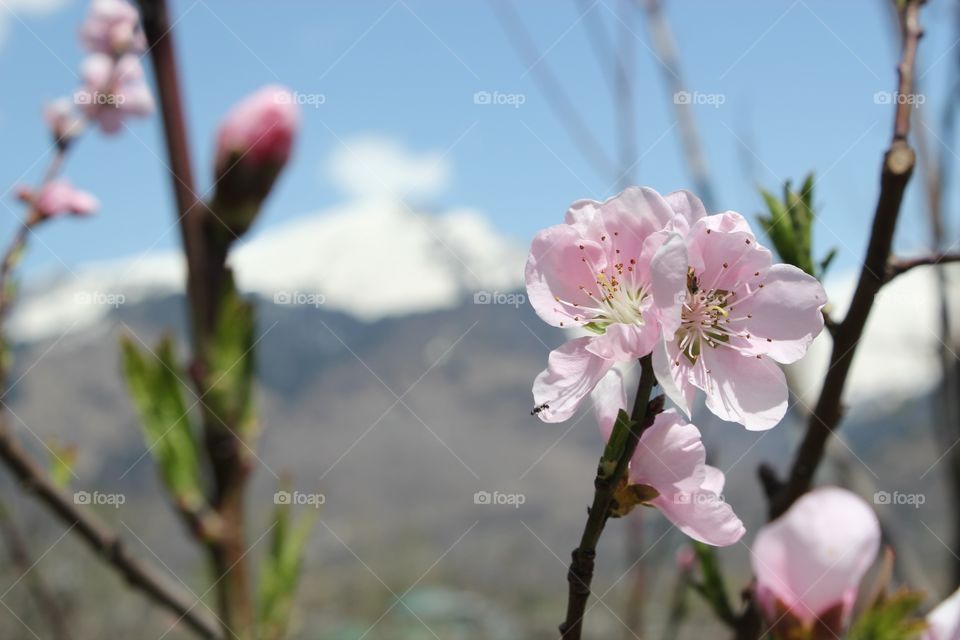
616, 444
712, 586
61, 459
894, 617
229, 382
280, 572
789, 225
155, 384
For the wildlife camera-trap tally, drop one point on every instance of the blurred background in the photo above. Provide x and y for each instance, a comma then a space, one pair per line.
396, 349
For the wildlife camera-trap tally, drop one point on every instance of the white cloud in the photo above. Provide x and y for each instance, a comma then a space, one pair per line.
380, 167
13, 11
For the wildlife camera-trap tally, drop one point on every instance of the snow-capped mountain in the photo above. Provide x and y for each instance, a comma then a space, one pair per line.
370, 258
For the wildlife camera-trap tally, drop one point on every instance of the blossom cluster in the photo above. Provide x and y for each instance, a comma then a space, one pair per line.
643, 274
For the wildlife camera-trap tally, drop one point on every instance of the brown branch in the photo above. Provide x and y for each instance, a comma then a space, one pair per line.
898, 163
107, 544
21, 557
34, 478
580, 574
207, 275
897, 266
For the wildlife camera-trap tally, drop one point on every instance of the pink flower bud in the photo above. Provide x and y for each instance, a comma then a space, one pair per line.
809, 561
112, 27
259, 129
253, 145
60, 197
64, 121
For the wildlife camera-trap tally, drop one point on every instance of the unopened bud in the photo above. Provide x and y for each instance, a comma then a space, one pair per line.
253, 145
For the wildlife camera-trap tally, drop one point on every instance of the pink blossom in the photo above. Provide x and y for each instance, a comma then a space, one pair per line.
809, 562
671, 458
742, 315
943, 623
114, 90
112, 27
615, 268
258, 130
60, 197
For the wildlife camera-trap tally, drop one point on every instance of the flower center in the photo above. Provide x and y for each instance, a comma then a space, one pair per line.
619, 304
703, 318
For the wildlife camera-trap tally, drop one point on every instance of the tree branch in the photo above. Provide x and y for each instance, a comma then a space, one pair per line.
897, 266
580, 573
207, 277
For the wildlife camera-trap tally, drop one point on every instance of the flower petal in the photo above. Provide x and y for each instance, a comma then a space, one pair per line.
741, 388
624, 342
670, 456
609, 397
943, 623
813, 557
672, 379
668, 274
571, 374
786, 313
557, 268
685, 204
704, 516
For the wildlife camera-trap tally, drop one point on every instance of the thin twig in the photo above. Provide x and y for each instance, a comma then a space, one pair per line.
580, 574
661, 38
551, 88
897, 266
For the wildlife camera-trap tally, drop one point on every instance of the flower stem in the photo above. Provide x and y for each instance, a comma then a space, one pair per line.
580, 574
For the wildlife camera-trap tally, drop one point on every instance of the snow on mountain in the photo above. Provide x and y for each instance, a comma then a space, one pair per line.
898, 357
370, 258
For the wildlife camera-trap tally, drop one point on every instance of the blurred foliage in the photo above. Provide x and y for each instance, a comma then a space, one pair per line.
231, 360
894, 617
711, 585
155, 386
280, 572
789, 226
61, 459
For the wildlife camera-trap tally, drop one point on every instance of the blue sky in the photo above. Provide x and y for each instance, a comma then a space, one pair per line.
797, 78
